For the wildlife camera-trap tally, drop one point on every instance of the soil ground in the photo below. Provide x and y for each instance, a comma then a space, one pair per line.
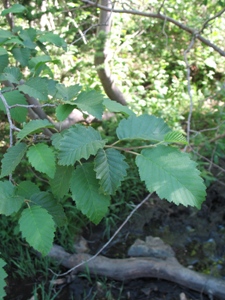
196, 236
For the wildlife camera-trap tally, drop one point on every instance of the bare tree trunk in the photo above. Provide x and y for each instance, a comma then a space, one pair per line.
101, 56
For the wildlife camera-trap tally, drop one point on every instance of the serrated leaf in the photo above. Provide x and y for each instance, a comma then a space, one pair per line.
114, 106
33, 126
18, 113
42, 158
36, 87
22, 55
4, 60
37, 227
79, 142
27, 188
110, 168
3, 275
91, 102
144, 127
54, 39
9, 201
12, 158
61, 181
55, 209
172, 175
56, 138
15, 8
175, 137
85, 192
12, 74
67, 93
63, 111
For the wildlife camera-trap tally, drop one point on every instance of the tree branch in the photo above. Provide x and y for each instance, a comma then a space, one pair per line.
9, 16
102, 53
162, 17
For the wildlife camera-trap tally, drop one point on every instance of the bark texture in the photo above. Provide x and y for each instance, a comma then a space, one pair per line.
141, 267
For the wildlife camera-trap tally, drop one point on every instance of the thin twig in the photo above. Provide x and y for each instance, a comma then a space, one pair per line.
31, 105
208, 160
212, 18
11, 125
109, 241
189, 88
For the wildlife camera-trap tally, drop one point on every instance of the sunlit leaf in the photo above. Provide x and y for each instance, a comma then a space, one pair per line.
172, 175
79, 142
42, 158
175, 137
144, 127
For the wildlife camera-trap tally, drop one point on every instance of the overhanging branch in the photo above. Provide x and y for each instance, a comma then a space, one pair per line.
160, 16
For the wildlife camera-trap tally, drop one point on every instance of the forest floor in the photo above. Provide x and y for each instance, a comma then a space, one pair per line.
196, 236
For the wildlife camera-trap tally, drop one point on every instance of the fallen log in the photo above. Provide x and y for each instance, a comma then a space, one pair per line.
141, 267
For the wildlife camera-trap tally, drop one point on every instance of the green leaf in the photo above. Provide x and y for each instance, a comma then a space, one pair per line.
22, 55
67, 93
27, 188
36, 87
110, 168
15, 8
144, 127
54, 39
175, 137
56, 139
14, 40
85, 192
4, 59
5, 34
61, 181
91, 102
33, 126
12, 74
47, 201
114, 106
79, 142
172, 175
9, 201
12, 158
37, 227
42, 158
34, 61
63, 111
28, 36
13, 98
3, 275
